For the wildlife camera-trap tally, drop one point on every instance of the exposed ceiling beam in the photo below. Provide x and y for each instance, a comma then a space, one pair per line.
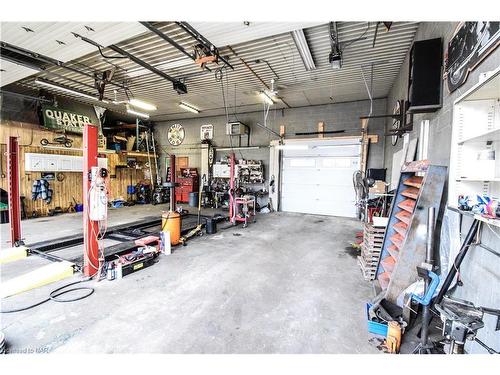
135, 59
34, 58
166, 38
24, 96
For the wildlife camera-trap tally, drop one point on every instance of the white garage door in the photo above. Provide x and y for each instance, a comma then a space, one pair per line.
318, 180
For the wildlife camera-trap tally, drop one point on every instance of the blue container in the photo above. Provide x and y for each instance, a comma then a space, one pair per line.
79, 207
375, 327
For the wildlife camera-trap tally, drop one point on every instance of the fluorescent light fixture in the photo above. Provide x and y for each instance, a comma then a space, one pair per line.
305, 53
53, 85
293, 147
142, 105
172, 64
266, 97
138, 114
189, 107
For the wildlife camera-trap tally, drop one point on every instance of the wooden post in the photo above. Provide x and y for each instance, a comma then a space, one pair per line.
365, 140
321, 128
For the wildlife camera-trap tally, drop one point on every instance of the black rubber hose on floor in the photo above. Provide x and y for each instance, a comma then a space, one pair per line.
53, 296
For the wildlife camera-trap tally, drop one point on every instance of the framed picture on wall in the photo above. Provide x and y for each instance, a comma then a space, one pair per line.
206, 132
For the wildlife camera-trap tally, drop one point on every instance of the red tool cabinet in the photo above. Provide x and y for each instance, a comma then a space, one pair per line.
186, 185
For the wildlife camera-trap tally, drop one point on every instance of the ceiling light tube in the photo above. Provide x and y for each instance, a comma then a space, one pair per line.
265, 96
305, 53
142, 104
189, 107
42, 82
138, 114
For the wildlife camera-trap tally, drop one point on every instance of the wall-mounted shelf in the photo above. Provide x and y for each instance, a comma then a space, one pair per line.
488, 136
489, 221
478, 179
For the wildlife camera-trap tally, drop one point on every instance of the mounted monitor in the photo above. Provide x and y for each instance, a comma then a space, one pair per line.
425, 88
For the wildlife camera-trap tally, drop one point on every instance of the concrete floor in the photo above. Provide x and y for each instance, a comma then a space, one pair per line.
285, 284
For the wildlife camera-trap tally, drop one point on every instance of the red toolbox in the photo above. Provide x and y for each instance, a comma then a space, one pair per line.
186, 185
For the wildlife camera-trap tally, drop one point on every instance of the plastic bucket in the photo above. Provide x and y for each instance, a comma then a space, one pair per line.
211, 226
193, 199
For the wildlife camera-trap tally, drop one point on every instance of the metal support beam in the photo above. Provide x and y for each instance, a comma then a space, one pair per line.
135, 59
90, 227
269, 130
44, 59
452, 272
14, 198
232, 192
172, 183
24, 96
169, 40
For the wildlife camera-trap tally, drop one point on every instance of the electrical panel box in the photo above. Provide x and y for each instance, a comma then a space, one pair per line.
236, 128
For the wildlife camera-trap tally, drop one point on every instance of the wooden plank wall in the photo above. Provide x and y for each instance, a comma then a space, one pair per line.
71, 187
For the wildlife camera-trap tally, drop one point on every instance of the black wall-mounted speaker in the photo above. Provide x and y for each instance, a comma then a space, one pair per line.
425, 84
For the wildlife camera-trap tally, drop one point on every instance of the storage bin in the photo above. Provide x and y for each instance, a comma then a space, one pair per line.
375, 327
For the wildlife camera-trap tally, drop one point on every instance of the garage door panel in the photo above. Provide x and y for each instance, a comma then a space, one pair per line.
319, 181
337, 208
319, 191
337, 177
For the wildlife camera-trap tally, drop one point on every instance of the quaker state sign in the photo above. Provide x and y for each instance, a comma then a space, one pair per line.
61, 119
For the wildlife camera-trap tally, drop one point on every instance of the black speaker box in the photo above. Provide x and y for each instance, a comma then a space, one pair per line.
425, 84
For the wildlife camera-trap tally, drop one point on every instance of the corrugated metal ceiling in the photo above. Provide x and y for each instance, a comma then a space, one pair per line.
296, 86
11, 72
55, 40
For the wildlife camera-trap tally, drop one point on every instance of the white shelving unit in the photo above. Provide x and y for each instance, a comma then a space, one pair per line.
476, 141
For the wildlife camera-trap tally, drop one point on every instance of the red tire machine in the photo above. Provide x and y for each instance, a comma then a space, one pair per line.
241, 208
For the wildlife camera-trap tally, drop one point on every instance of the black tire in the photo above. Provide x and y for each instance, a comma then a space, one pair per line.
68, 144
44, 142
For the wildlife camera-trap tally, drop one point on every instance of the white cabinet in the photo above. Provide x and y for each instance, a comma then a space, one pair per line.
56, 163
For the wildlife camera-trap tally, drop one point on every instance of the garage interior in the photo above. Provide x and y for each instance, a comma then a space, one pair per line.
250, 187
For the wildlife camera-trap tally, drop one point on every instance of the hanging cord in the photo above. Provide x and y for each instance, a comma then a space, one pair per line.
53, 296
357, 39
219, 77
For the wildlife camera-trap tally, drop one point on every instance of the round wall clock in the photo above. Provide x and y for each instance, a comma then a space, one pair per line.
176, 134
